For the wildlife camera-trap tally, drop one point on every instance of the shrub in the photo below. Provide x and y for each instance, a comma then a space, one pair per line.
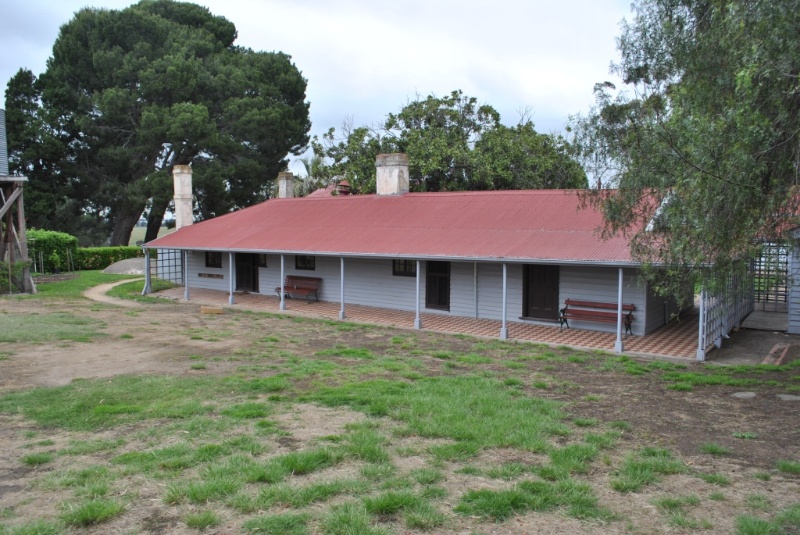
88, 258
53, 249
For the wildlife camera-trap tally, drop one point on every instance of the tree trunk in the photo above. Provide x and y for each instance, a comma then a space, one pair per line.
123, 226
155, 218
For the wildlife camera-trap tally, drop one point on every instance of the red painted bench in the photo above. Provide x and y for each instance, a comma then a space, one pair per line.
297, 286
575, 309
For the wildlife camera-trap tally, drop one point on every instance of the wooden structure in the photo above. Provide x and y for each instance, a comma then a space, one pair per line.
13, 240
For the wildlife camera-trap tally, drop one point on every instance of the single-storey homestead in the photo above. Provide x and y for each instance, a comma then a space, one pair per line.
517, 256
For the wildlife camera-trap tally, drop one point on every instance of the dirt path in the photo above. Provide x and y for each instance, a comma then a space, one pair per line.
98, 293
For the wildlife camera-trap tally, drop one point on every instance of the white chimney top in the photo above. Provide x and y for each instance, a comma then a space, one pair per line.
285, 185
182, 178
391, 174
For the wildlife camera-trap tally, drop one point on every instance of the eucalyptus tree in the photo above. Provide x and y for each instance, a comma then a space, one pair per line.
519, 157
702, 141
453, 143
131, 93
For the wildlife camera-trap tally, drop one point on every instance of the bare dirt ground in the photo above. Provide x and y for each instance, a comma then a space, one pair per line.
158, 339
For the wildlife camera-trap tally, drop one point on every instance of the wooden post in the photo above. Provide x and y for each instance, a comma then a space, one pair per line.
11, 195
475, 286
283, 280
23, 234
619, 347
504, 327
231, 300
701, 328
418, 318
148, 286
341, 287
185, 256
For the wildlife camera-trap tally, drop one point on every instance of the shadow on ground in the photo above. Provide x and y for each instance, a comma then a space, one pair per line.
751, 346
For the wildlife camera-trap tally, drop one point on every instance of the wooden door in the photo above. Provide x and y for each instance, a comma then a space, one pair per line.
437, 286
540, 292
246, 272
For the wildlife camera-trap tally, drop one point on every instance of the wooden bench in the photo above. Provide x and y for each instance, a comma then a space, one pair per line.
595, 311
295, 286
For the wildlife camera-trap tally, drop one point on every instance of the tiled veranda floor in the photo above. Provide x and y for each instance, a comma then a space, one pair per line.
678, 339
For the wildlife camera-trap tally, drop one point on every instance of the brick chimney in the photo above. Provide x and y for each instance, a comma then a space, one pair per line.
392, 174
182, 179
285, 185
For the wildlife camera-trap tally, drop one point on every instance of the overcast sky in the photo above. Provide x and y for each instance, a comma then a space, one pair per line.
366, 58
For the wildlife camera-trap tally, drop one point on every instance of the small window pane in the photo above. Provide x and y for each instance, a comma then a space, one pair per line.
404, 268
213, 259
305, 262
262, 260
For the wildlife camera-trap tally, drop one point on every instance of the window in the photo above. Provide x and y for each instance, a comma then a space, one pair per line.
213, 259
404, 268
261, 261
305, 262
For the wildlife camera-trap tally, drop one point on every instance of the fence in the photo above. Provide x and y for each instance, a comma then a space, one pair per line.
63, 262
722, 312
771, 276
169, 265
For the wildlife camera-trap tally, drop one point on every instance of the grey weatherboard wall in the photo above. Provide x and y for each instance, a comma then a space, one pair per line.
364, 275
794, 292
3, 145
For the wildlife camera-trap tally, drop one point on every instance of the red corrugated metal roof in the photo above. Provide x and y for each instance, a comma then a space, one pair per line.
537, 225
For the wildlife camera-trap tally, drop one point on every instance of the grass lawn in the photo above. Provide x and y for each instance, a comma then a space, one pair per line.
137, 235
271, 424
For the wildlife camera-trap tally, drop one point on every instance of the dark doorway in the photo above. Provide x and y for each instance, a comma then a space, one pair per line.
540, 292
437, 288
246, 272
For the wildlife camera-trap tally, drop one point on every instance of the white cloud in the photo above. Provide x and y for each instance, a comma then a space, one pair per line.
366, 59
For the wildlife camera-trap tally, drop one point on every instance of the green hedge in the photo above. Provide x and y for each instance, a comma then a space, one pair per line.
56, 249
59, 251
102, 257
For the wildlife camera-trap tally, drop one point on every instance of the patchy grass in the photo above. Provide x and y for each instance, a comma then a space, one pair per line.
347, 352
133, 291
42, 328
406, 433
645, 467
74, 288
281, 524
88, 512
202, 520
577, 499
712, 448
473, 410
35, 459
350, 519
789, 467
715, 479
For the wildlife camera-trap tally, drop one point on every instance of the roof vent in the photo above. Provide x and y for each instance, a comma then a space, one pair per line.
391, 174
343, 188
